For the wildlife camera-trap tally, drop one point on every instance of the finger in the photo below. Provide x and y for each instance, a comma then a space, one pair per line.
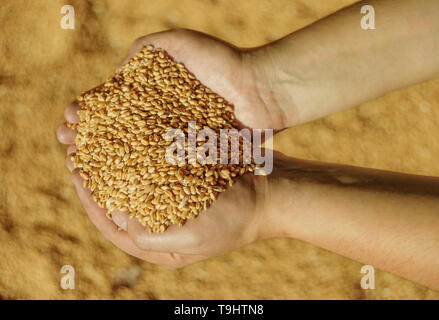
120, 238
71, 149
98, 216
161, 39
119, 218
134, 49
65, 134
169, 260
69, 163
71, 112
174, 239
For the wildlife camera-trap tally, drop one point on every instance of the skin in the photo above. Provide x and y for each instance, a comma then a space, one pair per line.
386, 219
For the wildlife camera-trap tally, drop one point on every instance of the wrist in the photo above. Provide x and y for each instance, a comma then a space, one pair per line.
260, 74
277, 203
287, 77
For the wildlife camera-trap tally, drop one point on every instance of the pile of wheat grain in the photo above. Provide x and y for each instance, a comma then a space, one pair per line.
121, 141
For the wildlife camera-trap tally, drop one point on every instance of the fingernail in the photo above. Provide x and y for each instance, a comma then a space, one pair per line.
120, 220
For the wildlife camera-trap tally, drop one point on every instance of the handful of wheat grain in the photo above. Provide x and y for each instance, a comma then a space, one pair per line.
121, 141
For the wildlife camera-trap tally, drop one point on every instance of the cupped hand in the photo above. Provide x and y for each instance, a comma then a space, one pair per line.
235, 218
231, 72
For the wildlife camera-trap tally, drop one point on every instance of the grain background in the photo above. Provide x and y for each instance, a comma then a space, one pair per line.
42, 224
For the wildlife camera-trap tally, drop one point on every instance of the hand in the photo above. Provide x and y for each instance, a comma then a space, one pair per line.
235, 218
229, 71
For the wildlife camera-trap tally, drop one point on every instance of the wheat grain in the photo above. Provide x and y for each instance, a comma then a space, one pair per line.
121, 141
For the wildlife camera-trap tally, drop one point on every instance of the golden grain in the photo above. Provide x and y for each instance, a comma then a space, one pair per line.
121, 146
